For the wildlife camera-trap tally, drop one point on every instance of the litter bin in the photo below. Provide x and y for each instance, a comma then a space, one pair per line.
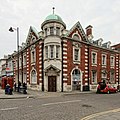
86, 88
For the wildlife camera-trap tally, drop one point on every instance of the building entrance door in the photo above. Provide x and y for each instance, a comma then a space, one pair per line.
51, 83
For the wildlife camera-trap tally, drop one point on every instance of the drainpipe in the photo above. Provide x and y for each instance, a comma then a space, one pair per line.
62, 68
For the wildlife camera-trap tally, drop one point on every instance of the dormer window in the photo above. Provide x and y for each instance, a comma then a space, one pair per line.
51, 30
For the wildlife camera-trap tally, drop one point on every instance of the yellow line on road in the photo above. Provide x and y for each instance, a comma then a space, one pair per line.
100, 113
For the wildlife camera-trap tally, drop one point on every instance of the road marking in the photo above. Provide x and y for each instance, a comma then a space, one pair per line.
4, 109
61, 102
100, 113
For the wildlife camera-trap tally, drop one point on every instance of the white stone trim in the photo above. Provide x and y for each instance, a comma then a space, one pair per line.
64, 61
65, 57
64, 65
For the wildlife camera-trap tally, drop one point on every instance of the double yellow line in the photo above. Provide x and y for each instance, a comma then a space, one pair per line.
100, 113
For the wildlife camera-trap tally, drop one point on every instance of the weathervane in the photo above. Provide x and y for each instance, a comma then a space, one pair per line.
53, 9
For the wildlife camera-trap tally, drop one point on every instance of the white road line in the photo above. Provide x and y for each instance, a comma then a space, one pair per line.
100, 113
4, 109
61, 102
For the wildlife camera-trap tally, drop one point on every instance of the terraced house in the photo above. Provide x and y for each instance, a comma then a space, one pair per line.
57, 59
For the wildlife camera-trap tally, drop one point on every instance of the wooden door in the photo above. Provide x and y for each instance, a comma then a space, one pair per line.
51, 83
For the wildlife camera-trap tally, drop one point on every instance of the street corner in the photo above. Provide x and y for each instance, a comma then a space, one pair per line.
110, 114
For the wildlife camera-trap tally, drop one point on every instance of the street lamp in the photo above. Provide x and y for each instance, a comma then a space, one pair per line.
12, 30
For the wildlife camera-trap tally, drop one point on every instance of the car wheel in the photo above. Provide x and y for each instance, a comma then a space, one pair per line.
108, 92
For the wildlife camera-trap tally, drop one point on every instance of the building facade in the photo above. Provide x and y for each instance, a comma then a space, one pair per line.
57, 59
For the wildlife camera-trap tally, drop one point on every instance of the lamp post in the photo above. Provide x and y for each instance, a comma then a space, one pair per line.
12, 30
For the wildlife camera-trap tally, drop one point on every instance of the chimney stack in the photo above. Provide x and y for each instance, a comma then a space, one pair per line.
89, 32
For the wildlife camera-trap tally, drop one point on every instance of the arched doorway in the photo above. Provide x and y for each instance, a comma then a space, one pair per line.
76, 79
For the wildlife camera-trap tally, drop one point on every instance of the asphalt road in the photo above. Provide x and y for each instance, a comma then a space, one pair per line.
67, 107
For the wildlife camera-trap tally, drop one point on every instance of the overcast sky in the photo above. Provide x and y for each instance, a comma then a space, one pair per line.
103, 15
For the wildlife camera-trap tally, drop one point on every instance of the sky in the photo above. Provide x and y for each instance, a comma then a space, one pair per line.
103, 15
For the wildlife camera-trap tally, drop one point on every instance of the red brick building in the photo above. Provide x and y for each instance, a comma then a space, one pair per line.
57, 59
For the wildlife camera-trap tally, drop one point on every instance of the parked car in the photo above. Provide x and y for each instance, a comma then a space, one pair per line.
104, 88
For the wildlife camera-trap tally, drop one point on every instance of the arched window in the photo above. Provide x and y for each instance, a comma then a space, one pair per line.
33, 77
76, 75
76, 37
76, 82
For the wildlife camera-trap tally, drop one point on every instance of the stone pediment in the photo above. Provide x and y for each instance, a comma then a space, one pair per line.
52, 70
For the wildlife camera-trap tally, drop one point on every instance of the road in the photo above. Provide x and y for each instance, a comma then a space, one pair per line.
67, 107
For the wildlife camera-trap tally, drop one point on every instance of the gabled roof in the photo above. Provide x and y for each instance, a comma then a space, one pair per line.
79, 27
32, 30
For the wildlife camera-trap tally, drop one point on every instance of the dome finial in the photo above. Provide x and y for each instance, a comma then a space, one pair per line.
53, 9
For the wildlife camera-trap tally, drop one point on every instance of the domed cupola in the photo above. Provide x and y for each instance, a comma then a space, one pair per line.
53, 25
53, 18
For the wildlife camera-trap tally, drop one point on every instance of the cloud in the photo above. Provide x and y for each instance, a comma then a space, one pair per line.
103, 15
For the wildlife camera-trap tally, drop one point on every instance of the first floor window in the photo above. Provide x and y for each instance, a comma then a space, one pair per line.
103, 60
46, 52
57, 51
94, 57
51, 51
76, 54
112, 61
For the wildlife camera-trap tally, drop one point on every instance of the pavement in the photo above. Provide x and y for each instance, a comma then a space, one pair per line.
106, 115
36, 94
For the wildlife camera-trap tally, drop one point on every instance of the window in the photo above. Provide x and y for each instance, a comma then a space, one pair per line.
76, 37
57, 31
46, 52
112, 76
94, 76
45, 31
112, 61
33, 56
33, 77
57, 51
51, 30
24, 60
76, 54
103, 59
51, 51
94, 58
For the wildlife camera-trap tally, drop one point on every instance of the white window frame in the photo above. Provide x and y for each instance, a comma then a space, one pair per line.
57, 51
112, 61
94, 76
94, 60
52, 51
105, 59
76, 48
51, 30
46, 52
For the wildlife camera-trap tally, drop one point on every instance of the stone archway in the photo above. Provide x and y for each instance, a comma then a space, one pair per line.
76, 80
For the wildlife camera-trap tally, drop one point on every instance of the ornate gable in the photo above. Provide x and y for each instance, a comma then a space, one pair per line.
32, 35
77, 32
